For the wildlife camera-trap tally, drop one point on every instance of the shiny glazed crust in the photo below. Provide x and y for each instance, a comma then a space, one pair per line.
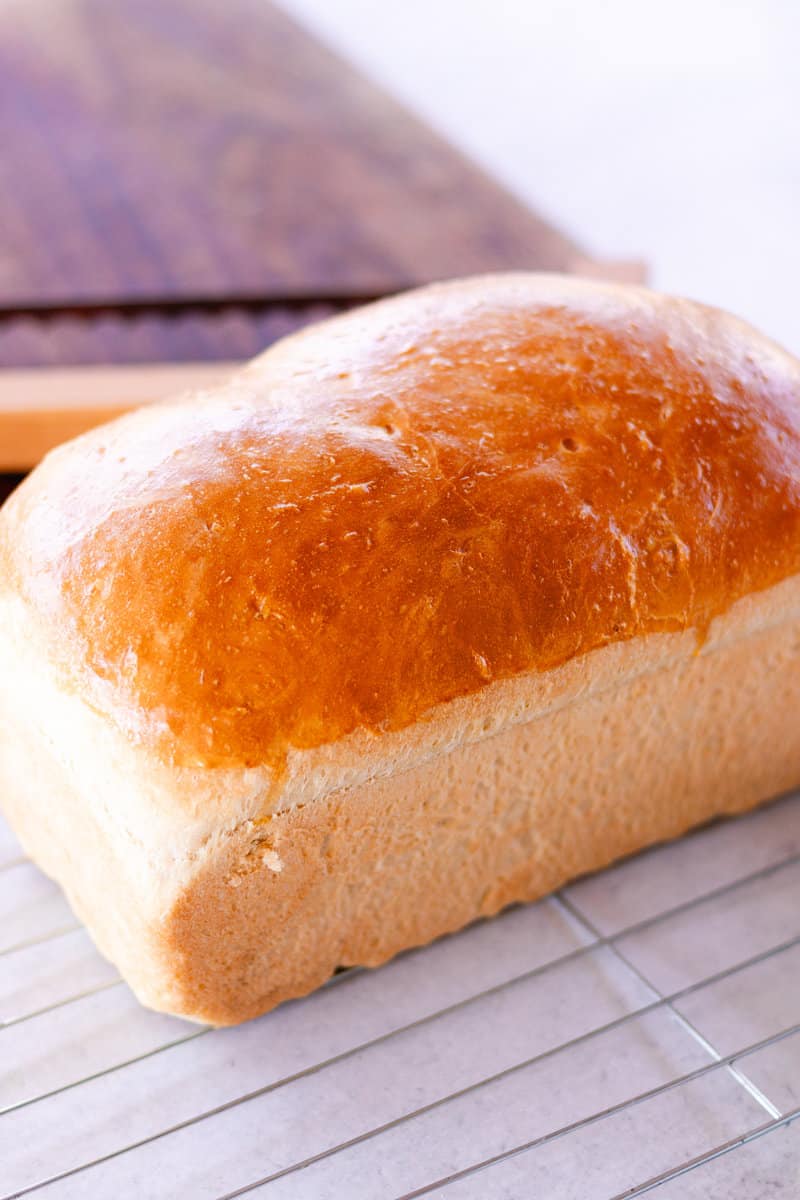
400, 506
433, 607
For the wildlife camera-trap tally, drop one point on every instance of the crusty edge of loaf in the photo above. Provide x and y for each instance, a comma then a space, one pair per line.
172, 818
164, 911
371, 870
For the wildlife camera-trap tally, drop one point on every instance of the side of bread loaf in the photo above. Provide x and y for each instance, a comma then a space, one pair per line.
633, 744
430, 610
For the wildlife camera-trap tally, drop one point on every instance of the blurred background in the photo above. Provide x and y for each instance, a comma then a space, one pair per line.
666, 132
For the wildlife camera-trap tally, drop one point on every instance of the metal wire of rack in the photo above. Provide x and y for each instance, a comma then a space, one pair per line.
548, 1038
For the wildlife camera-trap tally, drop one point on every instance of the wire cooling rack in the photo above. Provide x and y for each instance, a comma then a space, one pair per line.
639, 1030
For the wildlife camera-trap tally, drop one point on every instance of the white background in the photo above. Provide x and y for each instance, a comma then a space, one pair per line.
668, 132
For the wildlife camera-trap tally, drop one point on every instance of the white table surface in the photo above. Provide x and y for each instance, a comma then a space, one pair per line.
669, 132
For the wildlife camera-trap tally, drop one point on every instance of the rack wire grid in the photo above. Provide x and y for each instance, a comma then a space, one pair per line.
637, 1031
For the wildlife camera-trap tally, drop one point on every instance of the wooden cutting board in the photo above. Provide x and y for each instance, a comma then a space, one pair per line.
178, 149
182, 181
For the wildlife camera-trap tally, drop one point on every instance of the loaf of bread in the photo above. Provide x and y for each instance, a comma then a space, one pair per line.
435, 606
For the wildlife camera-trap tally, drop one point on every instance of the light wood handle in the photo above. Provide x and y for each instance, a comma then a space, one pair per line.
41, 407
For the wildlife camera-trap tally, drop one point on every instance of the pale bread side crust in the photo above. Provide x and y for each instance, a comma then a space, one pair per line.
224, 923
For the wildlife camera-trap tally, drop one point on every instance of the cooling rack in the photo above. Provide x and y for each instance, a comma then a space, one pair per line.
637, 1031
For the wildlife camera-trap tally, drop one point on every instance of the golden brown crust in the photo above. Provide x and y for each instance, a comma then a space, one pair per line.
401, 505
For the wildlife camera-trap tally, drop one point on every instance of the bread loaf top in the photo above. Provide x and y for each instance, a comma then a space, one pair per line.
400, 505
